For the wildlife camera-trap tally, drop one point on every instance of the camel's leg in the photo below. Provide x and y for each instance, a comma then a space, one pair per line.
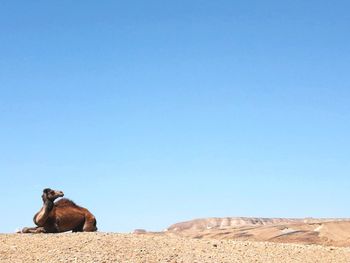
79, 228
90, 224
33, 230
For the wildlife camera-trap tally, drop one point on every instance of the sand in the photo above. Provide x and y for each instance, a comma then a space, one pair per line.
112, 247
331, 232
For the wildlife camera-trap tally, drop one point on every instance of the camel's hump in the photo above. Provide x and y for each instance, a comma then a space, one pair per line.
65, 202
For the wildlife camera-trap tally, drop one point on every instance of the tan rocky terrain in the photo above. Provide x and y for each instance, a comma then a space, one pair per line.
333, 232
236, 239
110, 247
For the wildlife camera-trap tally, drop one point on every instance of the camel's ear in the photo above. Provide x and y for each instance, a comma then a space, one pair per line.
46, 190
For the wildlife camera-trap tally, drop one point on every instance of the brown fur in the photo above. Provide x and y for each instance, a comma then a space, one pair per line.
61, 216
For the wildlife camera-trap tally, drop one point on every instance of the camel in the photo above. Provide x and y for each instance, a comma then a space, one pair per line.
61, 216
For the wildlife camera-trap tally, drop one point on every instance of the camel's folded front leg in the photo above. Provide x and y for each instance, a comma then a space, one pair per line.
33, 230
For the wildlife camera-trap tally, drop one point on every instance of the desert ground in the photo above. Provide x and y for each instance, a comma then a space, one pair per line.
230, 239
112, 247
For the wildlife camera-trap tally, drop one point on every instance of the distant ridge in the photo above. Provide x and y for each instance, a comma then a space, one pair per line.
325, 231
227, 222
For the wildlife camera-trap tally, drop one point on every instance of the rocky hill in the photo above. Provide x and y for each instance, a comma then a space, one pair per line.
335, 232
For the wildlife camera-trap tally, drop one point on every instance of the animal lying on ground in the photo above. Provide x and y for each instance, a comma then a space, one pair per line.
61, 216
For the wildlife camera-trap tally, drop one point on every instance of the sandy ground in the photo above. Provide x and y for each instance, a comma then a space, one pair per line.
111, 247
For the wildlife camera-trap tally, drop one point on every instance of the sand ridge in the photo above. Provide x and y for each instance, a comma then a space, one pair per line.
331, 232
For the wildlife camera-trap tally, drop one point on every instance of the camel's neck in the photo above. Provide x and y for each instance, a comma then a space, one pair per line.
41, 217
48, 205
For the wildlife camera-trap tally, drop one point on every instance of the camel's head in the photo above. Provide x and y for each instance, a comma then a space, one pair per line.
52, 195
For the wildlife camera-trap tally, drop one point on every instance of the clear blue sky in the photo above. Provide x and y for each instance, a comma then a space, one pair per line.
154, 112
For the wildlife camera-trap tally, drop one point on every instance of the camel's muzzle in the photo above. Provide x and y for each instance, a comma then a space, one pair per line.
59, 193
